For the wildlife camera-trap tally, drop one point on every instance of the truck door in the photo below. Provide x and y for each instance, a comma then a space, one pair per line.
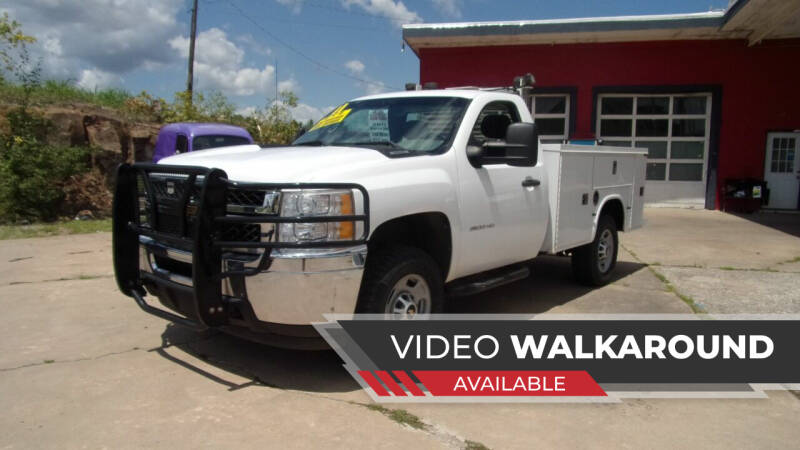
503, 213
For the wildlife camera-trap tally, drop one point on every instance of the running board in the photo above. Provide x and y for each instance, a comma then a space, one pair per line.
475, 284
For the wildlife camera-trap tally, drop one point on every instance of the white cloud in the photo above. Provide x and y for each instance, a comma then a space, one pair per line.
246, 111
294, 5
450, 8
92, 79
397, 11
370, 86
218, 65
110, 37
374, 87
289, 85
303, 113
355, 66
254, 45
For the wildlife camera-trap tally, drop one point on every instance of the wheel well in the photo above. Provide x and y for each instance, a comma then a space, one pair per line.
429, 232
615, 209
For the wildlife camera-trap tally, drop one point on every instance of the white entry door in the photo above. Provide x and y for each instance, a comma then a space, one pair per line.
781, 170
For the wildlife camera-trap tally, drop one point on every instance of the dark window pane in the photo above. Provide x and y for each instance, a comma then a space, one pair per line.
550, 126
689, 105
652, 105
617, 105
615, 127
656, 171
551, 105
689, 127
685, 172
617, 143
214, 141
656, 149
687, 150
652, 127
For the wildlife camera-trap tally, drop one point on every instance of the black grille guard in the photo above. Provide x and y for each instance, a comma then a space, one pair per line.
202, 236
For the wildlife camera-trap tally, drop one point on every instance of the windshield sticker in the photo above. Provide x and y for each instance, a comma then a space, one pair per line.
379, 125
336, 116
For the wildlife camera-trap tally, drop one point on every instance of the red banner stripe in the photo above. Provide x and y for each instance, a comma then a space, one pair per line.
390, 383
408, 383
373, 383
471, 383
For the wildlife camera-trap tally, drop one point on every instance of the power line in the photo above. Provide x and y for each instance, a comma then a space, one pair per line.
301, 54
284, 20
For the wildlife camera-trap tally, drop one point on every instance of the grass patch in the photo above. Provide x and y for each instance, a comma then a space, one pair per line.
400, 416
790, 261
472, 445
63, 92
727, 268
54, 229
49, 361
696, 308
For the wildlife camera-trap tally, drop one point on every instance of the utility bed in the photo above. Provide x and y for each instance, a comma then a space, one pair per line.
579, 176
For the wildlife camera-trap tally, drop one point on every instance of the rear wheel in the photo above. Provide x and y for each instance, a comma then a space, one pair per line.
401, 280
593, 263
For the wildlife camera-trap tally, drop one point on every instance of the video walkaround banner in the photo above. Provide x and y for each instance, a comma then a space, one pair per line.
513, 358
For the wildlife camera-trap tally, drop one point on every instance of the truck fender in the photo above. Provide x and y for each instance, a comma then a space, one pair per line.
617, 212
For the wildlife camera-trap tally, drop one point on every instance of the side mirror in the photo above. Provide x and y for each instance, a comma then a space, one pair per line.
521, 148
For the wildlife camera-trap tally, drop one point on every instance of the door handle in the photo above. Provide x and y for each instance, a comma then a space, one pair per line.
530, 182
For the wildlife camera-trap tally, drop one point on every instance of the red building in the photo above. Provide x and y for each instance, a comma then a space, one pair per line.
713, 96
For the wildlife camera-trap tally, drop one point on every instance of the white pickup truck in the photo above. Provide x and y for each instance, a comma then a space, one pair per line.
390, 204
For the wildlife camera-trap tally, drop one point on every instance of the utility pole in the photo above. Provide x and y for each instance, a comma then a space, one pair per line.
190, 78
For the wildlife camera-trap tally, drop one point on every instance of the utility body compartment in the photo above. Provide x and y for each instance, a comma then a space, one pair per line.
582, 179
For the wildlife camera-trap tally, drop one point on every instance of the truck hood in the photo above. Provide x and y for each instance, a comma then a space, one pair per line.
286, 164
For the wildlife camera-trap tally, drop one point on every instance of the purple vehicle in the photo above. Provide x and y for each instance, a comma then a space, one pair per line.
187, 137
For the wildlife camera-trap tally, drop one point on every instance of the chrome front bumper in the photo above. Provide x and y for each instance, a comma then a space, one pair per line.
297, 288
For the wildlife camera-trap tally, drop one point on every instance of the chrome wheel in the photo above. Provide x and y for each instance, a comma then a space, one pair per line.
605, 250
409, 296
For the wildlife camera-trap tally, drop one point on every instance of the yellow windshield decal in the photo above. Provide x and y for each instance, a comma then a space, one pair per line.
336, 116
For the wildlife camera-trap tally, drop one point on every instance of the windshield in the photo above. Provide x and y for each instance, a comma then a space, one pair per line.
400, 126
214, 141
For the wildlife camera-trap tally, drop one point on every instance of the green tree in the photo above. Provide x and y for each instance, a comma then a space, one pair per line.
12, 39
275, 125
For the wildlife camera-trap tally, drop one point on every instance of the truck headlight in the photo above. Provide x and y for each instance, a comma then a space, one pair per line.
316, 203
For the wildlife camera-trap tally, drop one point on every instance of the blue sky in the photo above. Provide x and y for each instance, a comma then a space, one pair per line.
141, 44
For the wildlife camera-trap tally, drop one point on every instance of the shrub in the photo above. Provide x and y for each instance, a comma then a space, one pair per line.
33, 173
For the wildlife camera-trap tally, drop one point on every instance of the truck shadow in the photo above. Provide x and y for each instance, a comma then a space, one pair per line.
551, 284
237, 364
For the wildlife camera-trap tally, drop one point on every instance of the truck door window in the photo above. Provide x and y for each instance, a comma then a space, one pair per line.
492, 122
181, 144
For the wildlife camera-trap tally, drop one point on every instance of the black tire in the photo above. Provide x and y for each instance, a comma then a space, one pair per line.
586, 265
386, 267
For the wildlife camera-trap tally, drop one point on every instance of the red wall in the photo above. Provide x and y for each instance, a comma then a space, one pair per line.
760, 84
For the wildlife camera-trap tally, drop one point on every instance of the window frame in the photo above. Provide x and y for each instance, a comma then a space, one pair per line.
669, 138
566, 115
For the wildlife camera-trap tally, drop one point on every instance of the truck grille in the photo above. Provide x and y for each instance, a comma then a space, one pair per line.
168, 192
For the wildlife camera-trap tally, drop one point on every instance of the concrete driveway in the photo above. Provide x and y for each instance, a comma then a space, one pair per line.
82, 366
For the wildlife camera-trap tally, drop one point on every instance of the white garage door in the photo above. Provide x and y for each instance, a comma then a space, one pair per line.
675, 130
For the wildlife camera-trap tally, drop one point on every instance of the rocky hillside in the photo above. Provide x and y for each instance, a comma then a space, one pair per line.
114, 138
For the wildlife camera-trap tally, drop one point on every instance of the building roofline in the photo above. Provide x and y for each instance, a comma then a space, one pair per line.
711, 19
753, 20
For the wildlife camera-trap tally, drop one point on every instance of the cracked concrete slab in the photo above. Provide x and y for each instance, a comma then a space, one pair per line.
141, 400
55, 257
86, 368
738, 291
680, 237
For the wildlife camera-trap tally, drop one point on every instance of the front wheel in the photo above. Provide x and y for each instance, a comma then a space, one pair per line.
401, 280
593, 263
